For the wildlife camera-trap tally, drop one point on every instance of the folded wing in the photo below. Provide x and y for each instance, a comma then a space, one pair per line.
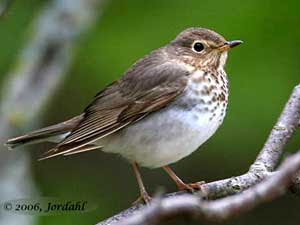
140, 92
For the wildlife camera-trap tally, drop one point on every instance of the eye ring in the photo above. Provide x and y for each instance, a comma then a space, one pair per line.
198, 46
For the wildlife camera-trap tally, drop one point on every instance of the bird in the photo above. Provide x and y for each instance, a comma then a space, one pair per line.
163, 108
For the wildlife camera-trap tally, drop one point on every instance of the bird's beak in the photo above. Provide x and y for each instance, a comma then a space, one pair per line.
230, 44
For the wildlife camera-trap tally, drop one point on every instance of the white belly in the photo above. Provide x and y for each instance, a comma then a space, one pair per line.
169, 135
162, 138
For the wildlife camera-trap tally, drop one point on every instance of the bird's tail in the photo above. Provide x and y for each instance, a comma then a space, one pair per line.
54, 133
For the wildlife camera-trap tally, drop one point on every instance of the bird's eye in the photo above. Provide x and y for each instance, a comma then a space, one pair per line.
198, 46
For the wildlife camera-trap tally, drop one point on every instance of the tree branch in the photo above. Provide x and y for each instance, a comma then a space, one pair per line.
40, 68
280, 134
262, 168
222, 209
46, 58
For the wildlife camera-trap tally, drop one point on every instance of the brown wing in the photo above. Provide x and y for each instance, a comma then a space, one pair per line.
142, 90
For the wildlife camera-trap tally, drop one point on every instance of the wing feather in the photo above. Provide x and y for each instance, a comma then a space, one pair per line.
144, 89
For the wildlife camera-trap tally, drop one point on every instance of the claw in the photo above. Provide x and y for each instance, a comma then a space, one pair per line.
190, 187
144, 198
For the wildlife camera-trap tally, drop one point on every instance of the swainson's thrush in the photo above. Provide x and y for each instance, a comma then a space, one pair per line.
160, 111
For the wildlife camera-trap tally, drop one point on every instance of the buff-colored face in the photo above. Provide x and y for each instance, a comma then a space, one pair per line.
202, 47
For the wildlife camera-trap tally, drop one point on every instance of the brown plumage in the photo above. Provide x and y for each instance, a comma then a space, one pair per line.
151, 84
162, 109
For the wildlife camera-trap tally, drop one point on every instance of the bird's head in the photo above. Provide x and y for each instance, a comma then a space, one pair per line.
200, 47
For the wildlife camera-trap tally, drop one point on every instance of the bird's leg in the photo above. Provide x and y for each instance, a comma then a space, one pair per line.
180, 184
143, 193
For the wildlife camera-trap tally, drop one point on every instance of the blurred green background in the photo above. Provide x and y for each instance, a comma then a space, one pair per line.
262, 73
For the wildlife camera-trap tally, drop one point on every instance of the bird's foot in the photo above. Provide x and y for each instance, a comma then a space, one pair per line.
190, 187
144, 198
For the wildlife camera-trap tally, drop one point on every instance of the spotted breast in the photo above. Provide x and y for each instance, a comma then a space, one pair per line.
179, 129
